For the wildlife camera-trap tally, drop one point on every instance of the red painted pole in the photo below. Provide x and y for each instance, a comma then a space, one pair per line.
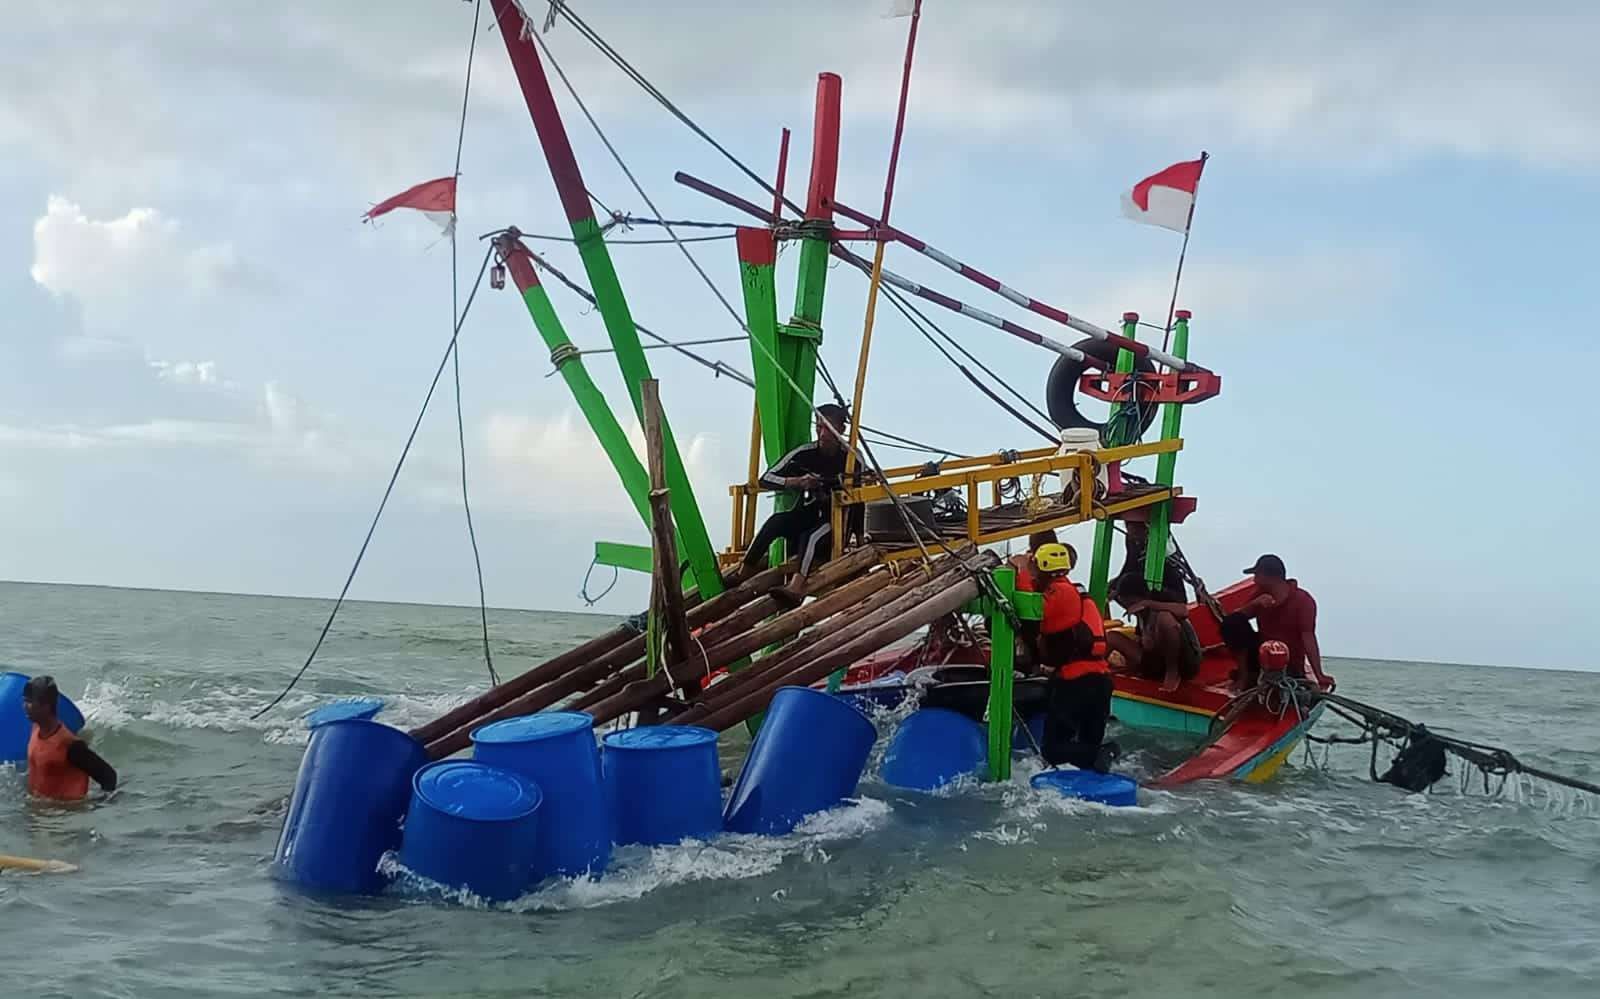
783, 171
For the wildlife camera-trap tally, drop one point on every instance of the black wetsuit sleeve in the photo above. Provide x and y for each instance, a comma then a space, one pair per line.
789, 466
81, 756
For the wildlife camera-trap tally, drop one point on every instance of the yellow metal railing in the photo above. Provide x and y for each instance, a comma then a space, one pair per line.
968, 475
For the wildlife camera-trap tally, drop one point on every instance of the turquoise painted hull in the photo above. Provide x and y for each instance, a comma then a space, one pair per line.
1140, 714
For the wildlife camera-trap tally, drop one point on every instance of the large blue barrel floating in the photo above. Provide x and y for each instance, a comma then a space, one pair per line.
15, 728
473, 826
351, 707
808, 757
665, 783
352, 790
933, 747
556, 750
1107, 789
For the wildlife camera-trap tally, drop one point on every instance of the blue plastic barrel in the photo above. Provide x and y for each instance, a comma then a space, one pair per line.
1107, 789
664, 782
352, 790
16, 729
933, 747
808, 757
556, 750
473, 826
351, 707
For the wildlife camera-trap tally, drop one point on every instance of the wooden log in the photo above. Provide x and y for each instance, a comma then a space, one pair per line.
618, 647
609, 686
931, 604
598, 647
668, 582
827, 634
736, 648
539, 698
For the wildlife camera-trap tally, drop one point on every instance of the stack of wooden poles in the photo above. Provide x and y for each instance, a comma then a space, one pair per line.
855, 606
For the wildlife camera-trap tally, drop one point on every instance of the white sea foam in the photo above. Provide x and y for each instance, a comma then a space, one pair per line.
638, 871
113, 704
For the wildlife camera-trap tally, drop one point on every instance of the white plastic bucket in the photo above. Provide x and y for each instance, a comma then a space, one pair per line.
1075, 439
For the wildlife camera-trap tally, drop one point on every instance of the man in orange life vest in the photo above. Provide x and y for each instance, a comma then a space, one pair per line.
1027, 572
59, 763
1072, 646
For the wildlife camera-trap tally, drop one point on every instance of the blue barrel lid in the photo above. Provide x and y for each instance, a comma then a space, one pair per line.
531, 728
359, 708
660, 737
1108, 789
477, 791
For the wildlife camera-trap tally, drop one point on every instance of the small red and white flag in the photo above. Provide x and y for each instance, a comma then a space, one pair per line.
433, 198
1166, 199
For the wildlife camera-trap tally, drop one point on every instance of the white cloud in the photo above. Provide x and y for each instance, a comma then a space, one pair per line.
141, 253
1224, 292
555, 465
187, 372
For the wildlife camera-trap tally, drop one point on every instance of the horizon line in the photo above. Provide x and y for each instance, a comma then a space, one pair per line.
593, 613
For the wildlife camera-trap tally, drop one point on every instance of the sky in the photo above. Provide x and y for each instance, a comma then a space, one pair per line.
208, 365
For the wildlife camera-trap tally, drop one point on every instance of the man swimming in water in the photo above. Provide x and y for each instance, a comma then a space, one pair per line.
59, 763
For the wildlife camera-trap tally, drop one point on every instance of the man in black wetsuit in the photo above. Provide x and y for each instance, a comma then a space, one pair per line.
811, 471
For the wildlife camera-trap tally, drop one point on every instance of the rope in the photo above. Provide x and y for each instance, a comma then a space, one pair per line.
605, 48
633, 180
387, 492
455, 358
716, 367
583, 591
986, 390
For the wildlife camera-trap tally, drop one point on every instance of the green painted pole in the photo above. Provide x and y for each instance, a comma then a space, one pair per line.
607, 289
1155, 556
634, 558
1002, 649
757, 276
613, 439
1100, 568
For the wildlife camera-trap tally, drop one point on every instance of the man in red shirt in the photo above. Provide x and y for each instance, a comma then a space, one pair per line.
1284, 613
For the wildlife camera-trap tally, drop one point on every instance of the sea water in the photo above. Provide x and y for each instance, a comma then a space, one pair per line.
1320, 883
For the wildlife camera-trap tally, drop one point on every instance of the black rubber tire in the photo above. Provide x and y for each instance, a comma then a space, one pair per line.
1061, 388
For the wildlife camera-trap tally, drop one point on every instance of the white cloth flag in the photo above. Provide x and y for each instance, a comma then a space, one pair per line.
1166, 198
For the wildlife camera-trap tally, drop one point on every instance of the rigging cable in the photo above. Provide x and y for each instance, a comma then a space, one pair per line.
635, 182
387, 492
605, 48
986, 390
455, 355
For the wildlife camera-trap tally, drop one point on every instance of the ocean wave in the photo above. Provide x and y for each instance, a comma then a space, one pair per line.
120, 705
639, 871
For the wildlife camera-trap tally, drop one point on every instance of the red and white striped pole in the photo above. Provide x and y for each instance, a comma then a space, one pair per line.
1012, 295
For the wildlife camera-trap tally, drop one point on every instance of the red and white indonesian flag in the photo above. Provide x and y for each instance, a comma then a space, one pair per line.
433, 198
1165, 199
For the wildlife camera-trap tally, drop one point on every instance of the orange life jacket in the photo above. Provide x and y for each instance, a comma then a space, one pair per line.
1068, 609
50, 773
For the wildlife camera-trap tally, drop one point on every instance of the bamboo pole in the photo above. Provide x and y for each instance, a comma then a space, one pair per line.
736, 648
572, 670
842, 627
666, 574
924, 605
595, 648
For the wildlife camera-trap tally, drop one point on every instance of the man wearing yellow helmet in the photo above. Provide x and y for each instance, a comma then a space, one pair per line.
1072, 648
